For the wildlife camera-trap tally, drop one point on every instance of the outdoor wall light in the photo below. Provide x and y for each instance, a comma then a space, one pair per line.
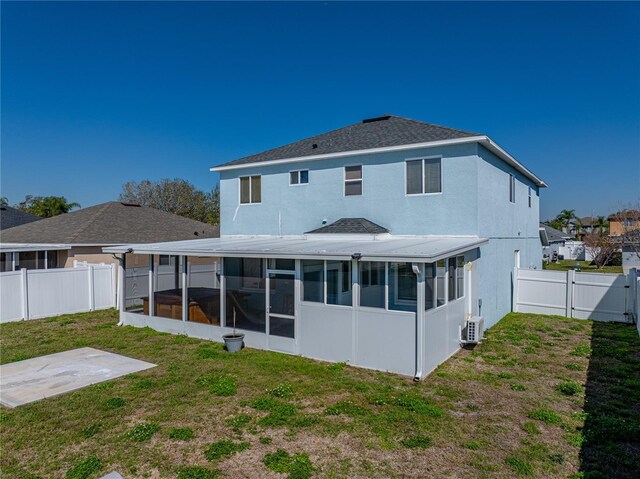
356, 256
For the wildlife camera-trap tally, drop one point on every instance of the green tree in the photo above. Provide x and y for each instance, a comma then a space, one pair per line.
4, 201
565, 217
46, 206
175, 196
601, 223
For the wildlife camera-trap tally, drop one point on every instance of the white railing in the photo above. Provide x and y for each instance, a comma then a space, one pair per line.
40, 293
597, 296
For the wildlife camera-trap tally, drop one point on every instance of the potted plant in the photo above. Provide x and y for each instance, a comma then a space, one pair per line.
234, 342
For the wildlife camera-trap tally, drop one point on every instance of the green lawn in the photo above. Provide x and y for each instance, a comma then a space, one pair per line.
585, 267
513, 406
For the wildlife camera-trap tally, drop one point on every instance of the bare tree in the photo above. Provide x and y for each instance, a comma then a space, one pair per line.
601, 247
175, 196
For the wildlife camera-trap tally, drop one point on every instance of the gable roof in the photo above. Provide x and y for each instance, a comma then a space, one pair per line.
10, 217
351, 226
373, 135
555, 235
110, 223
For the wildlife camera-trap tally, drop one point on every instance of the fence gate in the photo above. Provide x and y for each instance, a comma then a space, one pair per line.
596, 296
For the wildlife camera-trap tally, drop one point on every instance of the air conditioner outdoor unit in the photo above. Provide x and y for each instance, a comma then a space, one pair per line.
475, 330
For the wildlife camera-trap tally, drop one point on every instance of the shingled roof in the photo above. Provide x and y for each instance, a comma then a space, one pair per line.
11, 217
379, 132
108, 224
351, 226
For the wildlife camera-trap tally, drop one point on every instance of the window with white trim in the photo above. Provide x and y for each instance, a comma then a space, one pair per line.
299, 177
250, 189
353, 180
512, 189
424, 176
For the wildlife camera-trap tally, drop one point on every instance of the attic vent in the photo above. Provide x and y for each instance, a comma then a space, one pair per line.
131, 204
377, 118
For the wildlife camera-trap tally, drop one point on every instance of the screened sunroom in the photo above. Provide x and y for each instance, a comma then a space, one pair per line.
392, 304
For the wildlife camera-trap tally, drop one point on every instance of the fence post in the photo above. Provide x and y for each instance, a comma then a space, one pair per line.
25, 294
632, 291
514, 299
92, 299
571, 277
114, 295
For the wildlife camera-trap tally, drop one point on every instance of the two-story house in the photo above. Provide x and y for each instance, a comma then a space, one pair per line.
372, 244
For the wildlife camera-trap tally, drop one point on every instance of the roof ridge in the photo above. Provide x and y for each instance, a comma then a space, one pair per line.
91, 221
434, 124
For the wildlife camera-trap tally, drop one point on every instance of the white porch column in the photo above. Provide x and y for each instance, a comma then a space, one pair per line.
185, 288
152, 299
420, 315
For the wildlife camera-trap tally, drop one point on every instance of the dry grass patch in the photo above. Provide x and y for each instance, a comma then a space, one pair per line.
512, 406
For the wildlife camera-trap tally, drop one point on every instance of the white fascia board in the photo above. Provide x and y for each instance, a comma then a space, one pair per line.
482, 139
342, 154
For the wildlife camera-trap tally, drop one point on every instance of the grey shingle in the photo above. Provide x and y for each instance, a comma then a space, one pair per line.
384, 131
111, 223
11, 217
351, 226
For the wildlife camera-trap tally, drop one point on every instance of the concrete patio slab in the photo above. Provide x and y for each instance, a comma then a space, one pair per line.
33, 379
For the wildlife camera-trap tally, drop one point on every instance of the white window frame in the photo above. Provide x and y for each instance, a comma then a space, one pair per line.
345, 181
298, 172
512, 189
396, 297
250, 187
423, 158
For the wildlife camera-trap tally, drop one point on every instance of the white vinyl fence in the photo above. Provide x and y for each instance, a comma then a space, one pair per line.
39, 293
597, 296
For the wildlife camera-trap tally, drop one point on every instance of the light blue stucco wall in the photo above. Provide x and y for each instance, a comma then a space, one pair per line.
474, 201
291, 210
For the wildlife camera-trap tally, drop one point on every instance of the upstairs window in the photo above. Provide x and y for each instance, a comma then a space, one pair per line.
250, 189
529, 197
299, 177
353, 180
512, 189
424, 176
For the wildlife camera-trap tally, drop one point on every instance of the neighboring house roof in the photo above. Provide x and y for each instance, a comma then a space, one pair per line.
555, 235
111, 223
586, 220
625, 214
372, 135
11, 217
351, 226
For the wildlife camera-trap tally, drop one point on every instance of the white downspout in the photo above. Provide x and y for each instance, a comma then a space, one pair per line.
418, 271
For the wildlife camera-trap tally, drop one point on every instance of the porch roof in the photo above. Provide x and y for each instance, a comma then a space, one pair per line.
23, 247
390, 248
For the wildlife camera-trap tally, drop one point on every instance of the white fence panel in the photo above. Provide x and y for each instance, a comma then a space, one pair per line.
103, 287
541, 292
601, 297
57, 291
11, 296
596, 296
31, 294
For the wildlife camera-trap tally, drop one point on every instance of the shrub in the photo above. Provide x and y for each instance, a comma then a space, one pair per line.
282, 391
414, 442
142, 432
196, 472
569, 388
115, 403
545, 415
520, 467
84, 468
181, 433
221, 449
297, 466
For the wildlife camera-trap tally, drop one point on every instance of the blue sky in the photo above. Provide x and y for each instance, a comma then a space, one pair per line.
97, 94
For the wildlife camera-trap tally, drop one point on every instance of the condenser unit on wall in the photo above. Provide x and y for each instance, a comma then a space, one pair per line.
475, 330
